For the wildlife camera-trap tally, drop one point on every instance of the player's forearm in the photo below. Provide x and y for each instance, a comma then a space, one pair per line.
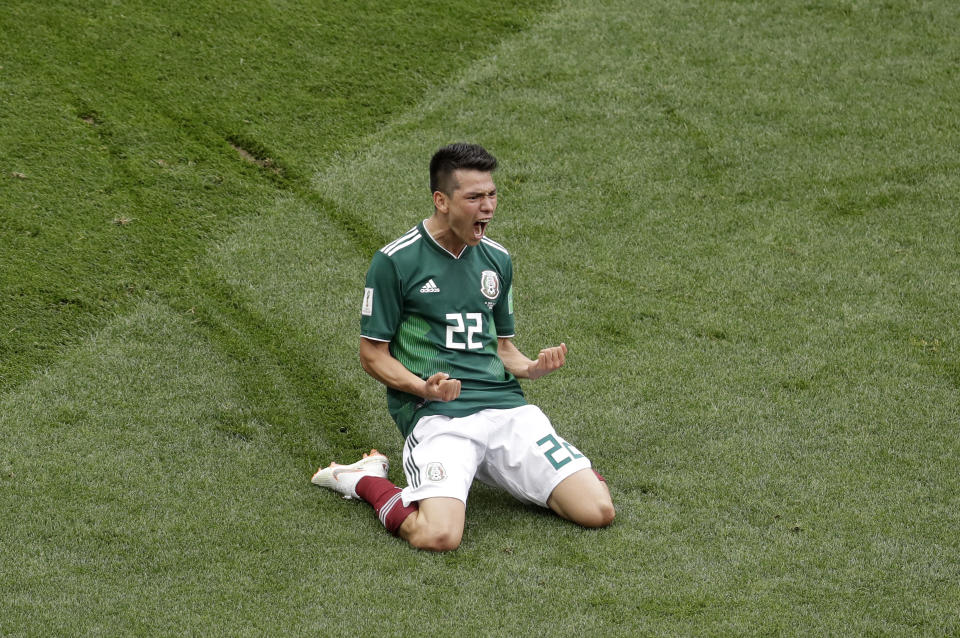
382, 366
513, 360
520, 366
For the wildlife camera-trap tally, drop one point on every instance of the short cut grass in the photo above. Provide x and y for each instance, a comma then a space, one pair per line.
739, 216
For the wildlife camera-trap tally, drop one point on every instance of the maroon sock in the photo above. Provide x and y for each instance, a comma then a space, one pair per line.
384, 496
602, 480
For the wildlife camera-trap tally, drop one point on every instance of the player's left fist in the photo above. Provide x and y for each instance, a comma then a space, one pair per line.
548, 360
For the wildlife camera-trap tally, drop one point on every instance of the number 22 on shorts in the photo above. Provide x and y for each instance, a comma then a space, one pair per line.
558, 446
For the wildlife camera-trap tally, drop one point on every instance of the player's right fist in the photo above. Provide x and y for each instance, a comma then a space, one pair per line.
440, 387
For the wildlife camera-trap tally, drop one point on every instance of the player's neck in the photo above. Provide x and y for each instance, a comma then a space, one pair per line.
444, 236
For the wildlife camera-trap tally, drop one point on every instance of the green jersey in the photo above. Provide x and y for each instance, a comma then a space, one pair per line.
443, 313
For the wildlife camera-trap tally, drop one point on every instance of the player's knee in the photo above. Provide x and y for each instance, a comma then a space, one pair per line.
437, 536
606, 514
437, 527
437, 540
601, 514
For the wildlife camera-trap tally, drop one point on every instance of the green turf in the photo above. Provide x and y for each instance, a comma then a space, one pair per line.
740, 217
120, 127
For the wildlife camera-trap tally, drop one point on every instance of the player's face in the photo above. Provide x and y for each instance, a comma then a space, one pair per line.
471, 205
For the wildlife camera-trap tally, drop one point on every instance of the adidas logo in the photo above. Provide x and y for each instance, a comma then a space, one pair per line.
430, 286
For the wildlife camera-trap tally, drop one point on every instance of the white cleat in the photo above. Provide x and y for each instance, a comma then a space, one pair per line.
344, 478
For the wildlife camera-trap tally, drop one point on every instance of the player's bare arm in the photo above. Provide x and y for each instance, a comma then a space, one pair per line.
522, 367
377, 361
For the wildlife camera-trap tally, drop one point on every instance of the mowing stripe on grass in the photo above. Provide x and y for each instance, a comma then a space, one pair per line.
124, 112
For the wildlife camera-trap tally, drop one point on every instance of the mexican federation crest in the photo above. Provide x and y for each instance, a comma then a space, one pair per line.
436, 473
490, 284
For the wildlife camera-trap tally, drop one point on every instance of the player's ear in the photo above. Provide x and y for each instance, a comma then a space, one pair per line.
440, 201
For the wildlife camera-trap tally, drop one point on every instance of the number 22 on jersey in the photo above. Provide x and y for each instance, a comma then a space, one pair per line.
466, 326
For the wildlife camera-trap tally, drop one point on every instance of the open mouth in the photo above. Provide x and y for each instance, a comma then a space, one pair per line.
479, 228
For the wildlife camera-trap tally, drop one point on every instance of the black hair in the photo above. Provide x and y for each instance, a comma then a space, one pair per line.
458, 156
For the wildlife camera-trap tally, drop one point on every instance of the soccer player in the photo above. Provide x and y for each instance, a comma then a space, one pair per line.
436, 329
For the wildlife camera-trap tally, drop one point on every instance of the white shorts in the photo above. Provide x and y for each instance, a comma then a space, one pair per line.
517, 450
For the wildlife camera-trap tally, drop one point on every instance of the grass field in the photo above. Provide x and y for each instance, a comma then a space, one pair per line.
740, 216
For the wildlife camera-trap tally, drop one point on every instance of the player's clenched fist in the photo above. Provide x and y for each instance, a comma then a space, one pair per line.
440, 387
548, 360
